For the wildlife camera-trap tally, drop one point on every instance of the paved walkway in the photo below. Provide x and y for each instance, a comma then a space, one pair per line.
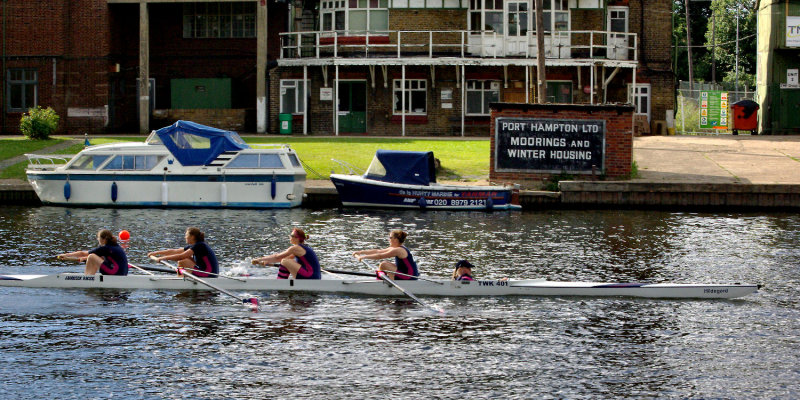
718, 159
47, 150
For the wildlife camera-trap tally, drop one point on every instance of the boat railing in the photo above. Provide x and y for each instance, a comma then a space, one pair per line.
47, 161
351, 169
271, 145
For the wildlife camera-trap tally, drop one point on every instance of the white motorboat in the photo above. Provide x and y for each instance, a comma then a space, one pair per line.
371, 286
182, 165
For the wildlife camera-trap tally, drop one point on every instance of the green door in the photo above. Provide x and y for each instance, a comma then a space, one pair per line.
353, 106
790, 108
559, 92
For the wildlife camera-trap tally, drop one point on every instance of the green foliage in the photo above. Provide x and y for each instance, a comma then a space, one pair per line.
634, 170
39, 123
552, 184
687, 118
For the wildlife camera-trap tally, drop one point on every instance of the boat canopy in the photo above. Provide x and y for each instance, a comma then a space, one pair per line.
195, 144
408, 167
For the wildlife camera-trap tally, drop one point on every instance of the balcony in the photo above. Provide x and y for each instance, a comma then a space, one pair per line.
445, 47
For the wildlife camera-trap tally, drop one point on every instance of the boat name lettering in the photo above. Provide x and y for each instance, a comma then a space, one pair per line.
79, 278
426, 193
715, 291
493, 283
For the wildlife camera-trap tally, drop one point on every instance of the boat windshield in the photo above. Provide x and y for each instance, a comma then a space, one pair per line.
153, 138
186, 140
89, 162
376, 168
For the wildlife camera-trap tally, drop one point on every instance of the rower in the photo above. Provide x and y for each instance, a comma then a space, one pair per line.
298, 261
108, 258
197, 255
403, 260
463, 271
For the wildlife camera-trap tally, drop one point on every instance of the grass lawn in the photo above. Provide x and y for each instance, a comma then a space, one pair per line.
460, 159
19, 146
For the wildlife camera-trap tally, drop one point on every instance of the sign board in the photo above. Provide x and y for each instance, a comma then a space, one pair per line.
792, 31
549, 145
714, 109
791, 77
326, 94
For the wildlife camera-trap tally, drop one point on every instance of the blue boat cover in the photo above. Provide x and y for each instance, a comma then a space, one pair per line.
195, 144
408, 167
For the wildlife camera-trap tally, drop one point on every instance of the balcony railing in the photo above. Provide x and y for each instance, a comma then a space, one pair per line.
463, 44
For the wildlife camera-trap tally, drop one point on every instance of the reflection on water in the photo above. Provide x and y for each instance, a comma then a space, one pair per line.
163, 344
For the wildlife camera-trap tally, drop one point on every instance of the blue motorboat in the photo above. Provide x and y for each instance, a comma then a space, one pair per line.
407, 179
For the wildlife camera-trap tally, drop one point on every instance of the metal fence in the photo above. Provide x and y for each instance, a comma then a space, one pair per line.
687, 116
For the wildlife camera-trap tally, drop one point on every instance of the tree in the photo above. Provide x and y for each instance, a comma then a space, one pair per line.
725, 37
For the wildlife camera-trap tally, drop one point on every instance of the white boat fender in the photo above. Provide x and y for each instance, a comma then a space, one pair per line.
422, 202
164, 193
67, 189
223, 194
114, 192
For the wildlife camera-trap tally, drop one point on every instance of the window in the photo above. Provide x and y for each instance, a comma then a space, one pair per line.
354, 16
88, 162
486, 15
480, 94
640, 98
416, 96
23, 88
556, 16
294, 160
133, 162
559, 92
292, 99
219, 20
271, 161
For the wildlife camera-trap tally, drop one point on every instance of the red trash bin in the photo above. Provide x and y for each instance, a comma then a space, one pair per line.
745, 117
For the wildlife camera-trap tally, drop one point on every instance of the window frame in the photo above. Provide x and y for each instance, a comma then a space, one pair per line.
285, 84
635, 98
24, 82
221, 20
397, 91
330, 9
483, 90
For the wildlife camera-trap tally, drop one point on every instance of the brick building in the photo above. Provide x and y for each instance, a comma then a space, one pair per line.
394, 67
133, 65
431, 67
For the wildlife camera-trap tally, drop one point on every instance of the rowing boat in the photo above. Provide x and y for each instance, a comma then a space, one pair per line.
432, 287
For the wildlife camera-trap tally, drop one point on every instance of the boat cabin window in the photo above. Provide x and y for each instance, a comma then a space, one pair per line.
89, 162
376, 168
133, 162
294, 160
153, 138
189, 141
271, 161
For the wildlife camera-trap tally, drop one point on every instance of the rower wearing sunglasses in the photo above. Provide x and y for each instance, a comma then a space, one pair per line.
298, 261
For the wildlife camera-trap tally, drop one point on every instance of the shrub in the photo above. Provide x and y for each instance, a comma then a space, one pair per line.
39, 123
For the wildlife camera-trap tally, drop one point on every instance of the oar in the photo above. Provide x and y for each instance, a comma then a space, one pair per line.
358, 273
141, 269
252, 301
382, 275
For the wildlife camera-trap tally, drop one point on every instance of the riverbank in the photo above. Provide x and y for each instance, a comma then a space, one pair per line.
675, 172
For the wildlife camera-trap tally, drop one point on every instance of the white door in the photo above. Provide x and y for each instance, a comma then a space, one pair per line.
518, 18
618, 38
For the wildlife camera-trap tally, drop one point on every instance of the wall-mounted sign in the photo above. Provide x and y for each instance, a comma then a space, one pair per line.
549, 145
326, 94
792, 31
714, 109
791, 77
447, 94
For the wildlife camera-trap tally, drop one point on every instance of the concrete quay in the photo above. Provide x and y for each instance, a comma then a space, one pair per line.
709, 173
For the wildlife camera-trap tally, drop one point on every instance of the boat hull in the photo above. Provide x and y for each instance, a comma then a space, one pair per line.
537, 287
190, 190
356, 191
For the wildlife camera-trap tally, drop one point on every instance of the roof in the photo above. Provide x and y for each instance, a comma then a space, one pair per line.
407, 167
195, 144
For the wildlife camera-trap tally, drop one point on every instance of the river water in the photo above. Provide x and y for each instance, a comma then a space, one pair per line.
71, 344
